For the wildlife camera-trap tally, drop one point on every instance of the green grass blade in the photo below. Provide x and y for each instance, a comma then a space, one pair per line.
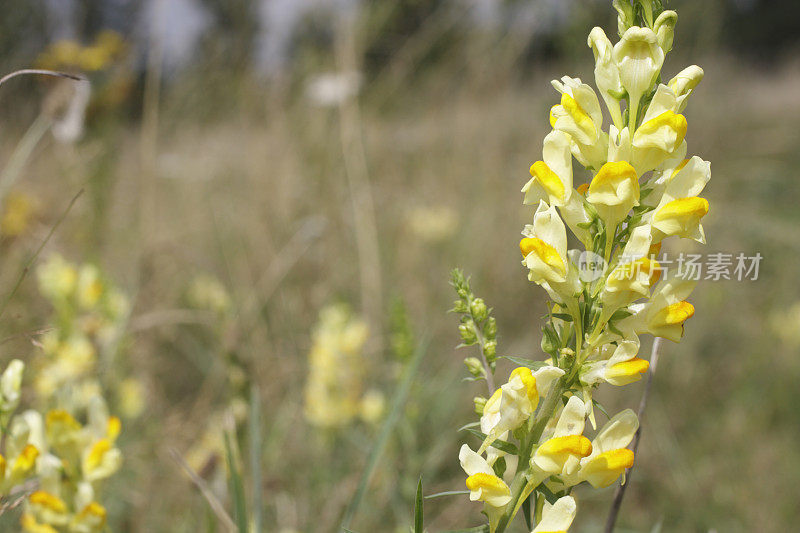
398, 401
418, 519
255, 457
237, 488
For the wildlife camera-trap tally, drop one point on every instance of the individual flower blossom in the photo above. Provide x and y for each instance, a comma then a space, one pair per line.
557, 517
510, 405
566, 445
483, 484
610, 456
551, 180
663, 315
680, 210
544, 250
579, 115
373, 406
633, 276
17, 466
639, 58
663, 130
606, 73
614, 191
132, 397
617, 365
684, 83
664, 28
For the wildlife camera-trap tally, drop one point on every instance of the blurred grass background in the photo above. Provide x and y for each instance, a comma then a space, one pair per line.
217, 167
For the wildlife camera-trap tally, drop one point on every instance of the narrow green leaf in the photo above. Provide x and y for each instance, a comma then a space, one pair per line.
446, 493
526, 511
237, 488
499, 444
600, 407
255, 456
418, 521
476, 529
521, 361
547, 493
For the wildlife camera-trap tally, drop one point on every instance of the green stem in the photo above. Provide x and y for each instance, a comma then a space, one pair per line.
543, 415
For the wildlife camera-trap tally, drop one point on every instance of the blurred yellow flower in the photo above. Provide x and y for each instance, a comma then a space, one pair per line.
432, 223
334, 388
18, 211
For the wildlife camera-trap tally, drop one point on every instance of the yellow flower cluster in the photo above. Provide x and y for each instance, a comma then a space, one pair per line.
642, 190
68, 459
89, 319
107, 47
334, 392
71, 448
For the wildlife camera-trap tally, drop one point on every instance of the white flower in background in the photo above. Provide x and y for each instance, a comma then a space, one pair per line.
333, 88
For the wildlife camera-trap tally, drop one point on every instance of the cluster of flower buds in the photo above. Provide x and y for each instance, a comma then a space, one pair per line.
477, 327
640, 189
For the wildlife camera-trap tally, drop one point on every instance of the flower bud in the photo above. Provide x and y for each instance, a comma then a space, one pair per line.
490, 328
480, 403
684, 83
490, 349
475, 367
467, 331
478, 308
625, 15
665, 29
460, 306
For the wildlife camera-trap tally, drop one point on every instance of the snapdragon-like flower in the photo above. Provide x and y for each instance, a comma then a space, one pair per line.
610, 456
643, 187
617, 365
566, 444
579, 115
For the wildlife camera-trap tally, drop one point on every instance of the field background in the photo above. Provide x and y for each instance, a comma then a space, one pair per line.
216, 170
